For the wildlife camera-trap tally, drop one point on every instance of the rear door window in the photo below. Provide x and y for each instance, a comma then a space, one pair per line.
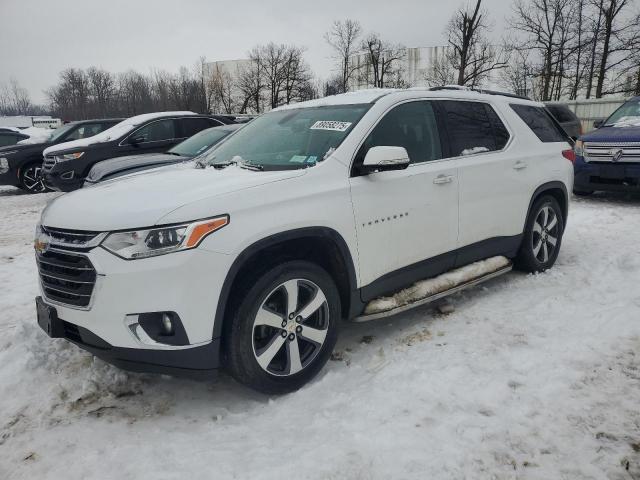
540, 122
156, 131
470, 128
411, 125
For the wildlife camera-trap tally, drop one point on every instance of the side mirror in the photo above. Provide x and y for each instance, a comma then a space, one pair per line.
382, 159
598, 123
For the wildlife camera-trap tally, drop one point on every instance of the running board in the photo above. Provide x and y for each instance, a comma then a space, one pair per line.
435, 296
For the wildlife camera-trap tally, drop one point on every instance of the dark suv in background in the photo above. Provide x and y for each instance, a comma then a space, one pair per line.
608, 158
20, 164
66, 166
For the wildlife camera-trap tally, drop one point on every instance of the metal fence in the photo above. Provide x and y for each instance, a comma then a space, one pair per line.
590, 110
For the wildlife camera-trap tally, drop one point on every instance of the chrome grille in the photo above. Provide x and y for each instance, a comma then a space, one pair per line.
66, 277
79, 238
604, 152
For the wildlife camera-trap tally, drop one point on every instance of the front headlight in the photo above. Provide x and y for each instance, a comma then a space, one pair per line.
150, 242
68, 156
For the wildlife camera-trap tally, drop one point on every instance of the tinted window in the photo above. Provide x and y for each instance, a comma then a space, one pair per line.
9, 139
540, 122
469, 128
562, 113
156, 131
191, 126
412, 126
500, 132
85, 131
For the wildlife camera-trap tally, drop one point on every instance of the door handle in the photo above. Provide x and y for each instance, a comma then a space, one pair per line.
441, 179
519, 165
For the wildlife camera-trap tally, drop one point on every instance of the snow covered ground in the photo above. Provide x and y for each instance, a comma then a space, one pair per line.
532, 376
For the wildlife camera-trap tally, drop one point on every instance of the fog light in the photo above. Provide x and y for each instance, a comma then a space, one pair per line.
160, 329
67, 175
167, 325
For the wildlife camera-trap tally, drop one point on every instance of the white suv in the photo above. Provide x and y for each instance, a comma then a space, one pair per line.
250, 257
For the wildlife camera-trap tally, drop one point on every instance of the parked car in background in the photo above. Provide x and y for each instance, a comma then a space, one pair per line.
608, 158
66, 165
11, 136
184, 151
20, 164
566, 118
250, 257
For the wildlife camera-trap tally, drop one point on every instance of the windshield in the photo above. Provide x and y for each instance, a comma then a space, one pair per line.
289, 139
59, 132
200, 142
627, 113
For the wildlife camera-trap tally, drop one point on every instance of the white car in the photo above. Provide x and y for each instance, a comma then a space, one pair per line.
250, 257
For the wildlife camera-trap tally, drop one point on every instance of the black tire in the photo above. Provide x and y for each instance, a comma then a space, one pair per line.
246, 338
582, 193
537, 252
29, 178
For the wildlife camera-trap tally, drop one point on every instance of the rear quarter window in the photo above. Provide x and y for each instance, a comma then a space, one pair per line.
562, 113
540, 122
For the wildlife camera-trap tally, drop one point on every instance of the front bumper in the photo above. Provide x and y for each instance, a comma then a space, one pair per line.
65, 181
609, 176
199, 362
187, 283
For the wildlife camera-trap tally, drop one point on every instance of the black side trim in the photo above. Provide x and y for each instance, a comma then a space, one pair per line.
299, 233
406, 276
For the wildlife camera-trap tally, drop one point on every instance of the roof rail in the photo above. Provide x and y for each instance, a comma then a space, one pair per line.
478, 90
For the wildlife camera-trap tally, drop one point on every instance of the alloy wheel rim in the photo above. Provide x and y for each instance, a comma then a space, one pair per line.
546, 232
290, 327
31, 179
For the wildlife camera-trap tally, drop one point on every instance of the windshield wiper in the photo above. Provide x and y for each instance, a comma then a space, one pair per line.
250, 166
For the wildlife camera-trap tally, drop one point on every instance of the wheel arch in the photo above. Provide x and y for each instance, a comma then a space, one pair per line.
557, 190
321, 245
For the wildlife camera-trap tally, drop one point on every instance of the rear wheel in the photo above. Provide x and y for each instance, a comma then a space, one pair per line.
30, 179
283, 327
542, 236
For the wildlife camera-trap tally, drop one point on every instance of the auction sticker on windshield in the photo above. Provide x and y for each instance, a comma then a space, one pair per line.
330, 125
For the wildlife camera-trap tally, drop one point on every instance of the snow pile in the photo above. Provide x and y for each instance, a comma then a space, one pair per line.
628, 121
117, 131
471, 151
431, 286
36, 135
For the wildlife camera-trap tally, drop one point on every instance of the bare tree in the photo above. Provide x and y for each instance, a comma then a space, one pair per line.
382, 61
343, 38
102, 90
547, 26
471, 54
518, 74
440, 72
620, 39
251, 86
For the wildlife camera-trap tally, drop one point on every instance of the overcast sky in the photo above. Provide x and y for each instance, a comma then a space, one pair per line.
40, 38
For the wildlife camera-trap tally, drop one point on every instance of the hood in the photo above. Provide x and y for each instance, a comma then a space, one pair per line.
24, 147
614, 133
100, 169
142, 200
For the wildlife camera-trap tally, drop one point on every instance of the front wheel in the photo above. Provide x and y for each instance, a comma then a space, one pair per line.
542, 236
283, 327
30, 179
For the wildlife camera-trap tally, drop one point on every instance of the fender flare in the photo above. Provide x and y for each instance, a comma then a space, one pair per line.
288, 235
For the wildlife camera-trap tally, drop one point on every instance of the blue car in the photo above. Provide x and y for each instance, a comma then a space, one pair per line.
608, 158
